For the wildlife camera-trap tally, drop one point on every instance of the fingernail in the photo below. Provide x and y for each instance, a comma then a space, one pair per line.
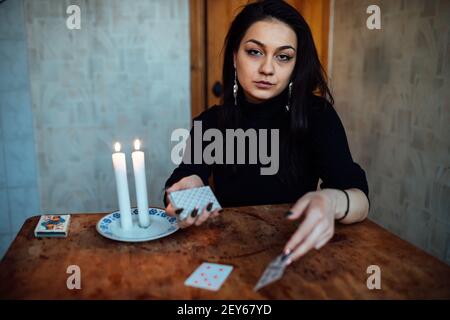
194, 213
287, 252
288, 214
178, 211
289, 261
209, 206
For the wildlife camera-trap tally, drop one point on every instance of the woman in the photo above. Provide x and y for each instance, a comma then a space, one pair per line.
273, 79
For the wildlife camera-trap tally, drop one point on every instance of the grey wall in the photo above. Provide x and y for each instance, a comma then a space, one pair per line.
125, 74
19, 196
392, 89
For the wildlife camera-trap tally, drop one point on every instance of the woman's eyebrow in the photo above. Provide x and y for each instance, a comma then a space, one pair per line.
263, 45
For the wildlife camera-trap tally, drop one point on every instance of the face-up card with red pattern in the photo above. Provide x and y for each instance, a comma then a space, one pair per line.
209, 276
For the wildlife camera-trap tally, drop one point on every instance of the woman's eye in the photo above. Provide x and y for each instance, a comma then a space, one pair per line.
284, 57
253, 52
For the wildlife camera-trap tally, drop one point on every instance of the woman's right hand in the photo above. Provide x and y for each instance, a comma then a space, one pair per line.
194, 217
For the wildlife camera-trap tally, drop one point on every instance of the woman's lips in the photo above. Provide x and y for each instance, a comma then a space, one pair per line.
263, 85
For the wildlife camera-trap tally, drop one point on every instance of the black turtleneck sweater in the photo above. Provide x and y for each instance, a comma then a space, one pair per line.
325, 154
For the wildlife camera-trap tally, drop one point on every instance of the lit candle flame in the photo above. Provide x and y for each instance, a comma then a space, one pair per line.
117, 147
137, 144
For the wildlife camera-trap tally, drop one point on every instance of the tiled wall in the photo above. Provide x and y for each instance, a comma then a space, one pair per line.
124, 74
392, 90
19, 197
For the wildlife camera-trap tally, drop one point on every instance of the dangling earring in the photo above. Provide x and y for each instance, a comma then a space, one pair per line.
235, 88
289, 96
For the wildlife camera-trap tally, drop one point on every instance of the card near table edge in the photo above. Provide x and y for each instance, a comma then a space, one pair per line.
40, 232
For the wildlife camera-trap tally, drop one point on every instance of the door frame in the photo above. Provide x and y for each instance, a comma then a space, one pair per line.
197, 23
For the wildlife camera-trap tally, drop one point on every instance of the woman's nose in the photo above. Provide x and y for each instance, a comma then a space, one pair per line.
267, 67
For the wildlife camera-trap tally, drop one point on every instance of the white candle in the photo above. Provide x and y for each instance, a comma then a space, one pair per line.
120, 170
141, 184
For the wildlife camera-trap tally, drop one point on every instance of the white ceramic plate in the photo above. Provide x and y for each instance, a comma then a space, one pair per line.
161, 225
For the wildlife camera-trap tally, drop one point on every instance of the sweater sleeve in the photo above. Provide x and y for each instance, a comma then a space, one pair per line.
188, 167
331, 151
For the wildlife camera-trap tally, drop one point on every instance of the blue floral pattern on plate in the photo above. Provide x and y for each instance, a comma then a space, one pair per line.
164, 223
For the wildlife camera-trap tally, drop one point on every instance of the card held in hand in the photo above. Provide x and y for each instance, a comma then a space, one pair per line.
273, 272
189, 199
53, 226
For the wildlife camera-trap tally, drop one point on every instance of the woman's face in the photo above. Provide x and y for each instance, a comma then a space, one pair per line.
266, 59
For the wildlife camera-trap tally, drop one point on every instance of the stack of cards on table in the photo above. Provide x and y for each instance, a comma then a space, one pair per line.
53, 226
191, 199
209, 276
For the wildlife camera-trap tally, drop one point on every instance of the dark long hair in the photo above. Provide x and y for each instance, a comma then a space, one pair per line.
308, 75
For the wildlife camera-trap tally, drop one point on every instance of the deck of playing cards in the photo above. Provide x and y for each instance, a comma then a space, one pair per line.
53, 226
189, 199
209, 276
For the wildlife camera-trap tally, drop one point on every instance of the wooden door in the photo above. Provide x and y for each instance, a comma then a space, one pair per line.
210, 20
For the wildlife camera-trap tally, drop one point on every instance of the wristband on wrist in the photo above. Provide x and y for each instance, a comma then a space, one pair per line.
348, 206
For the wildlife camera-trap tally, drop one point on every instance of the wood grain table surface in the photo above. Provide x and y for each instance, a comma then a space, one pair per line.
247, 238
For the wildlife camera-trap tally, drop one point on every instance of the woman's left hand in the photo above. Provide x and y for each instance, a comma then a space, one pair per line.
318, 209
